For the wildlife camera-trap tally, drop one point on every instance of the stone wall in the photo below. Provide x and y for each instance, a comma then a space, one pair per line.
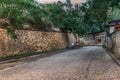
108, 42
31, 41
87, 40
98, 39
115, 44
73, 38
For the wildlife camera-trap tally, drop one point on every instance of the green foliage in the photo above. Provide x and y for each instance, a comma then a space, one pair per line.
14, 11
65, 16
19, 12
11, 10
114, 14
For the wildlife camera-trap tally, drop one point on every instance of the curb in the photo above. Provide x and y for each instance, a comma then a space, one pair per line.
113, 57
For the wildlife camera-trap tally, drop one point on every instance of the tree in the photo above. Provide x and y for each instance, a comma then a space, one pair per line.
19, 12
95, 13
65, 16
90, 17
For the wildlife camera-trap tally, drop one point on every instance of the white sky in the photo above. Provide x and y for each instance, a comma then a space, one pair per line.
50, 1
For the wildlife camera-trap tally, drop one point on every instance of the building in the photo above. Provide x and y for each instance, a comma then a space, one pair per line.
112, 41
113, 26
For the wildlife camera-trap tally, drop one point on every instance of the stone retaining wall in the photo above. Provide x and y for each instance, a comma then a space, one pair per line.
115, 46
31, 41
90, 40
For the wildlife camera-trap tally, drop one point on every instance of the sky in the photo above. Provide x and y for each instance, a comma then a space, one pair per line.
50, 1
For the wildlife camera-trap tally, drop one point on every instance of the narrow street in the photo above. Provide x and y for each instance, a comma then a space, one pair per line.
87, 63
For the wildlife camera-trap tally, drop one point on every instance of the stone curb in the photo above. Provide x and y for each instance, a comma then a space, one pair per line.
113, 57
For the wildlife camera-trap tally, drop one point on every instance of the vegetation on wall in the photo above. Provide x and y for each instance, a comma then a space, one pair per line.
14, 14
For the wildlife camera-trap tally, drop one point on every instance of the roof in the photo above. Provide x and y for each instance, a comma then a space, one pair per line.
113, 23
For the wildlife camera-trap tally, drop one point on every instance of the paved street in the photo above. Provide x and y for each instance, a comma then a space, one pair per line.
87, 63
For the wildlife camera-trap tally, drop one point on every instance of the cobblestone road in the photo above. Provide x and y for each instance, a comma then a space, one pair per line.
87, 63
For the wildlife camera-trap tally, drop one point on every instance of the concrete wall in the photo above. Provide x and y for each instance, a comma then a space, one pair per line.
31, 41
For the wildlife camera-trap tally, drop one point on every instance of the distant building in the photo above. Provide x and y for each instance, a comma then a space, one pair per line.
113, 26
